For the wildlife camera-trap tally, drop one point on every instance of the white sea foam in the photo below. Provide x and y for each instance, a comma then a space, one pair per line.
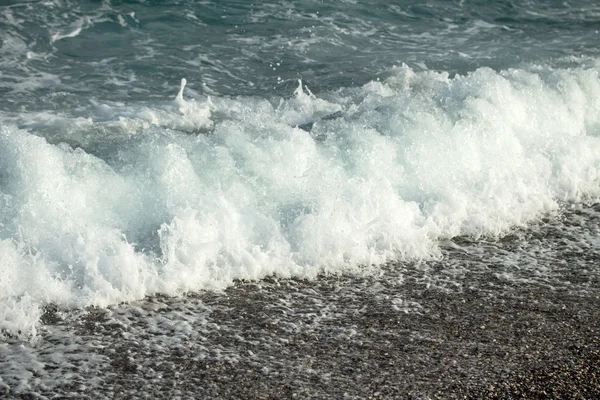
122, 201
73, 30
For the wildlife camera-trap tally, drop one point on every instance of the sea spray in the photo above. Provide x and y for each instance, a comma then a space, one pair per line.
114, 201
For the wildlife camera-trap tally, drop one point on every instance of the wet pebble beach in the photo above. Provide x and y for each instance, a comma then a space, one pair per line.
514, 318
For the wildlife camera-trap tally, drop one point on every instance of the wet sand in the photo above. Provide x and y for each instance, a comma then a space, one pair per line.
517, 318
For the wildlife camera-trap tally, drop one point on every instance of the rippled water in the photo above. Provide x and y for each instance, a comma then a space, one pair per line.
58, 54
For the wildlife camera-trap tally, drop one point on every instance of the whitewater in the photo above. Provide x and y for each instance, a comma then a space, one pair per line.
114, 201
299, 199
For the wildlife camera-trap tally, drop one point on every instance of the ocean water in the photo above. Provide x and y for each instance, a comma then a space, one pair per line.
159, 148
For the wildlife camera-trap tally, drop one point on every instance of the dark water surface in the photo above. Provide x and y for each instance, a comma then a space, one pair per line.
135, 51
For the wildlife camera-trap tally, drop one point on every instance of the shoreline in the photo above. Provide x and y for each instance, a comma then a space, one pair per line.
534, 344
477, 324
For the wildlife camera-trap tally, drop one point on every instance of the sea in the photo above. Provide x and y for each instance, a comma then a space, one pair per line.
160, 158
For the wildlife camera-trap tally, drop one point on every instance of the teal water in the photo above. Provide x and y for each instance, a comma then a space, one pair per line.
136, 50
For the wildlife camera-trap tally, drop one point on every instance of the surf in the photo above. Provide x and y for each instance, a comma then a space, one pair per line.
113, 202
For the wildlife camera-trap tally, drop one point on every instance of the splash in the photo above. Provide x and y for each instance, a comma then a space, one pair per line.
129, 200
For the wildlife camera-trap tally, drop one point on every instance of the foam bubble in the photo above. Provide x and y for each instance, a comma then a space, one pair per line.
120, 201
